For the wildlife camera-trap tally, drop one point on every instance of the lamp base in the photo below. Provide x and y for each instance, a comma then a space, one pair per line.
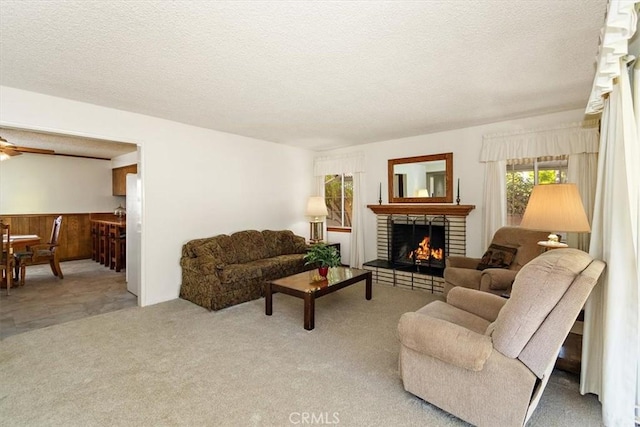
316, 232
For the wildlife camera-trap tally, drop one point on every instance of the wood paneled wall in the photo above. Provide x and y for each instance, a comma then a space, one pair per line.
75, 231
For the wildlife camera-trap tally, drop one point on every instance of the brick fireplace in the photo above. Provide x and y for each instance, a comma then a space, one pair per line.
413, 242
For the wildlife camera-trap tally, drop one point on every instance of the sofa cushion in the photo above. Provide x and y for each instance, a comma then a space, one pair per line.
497, 256
218, 247
237, 273
280, 266
283, 242
248, 246
462, 276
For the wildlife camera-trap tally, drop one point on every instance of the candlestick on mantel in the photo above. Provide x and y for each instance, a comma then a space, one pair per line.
380, 195
458, 197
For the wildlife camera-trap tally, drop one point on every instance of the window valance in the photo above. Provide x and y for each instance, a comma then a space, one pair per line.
620, 26
346, 163
571, 138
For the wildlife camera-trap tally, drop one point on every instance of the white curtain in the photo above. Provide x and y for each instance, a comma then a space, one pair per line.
583, 170
349, 163
569, 138
356, 252
495, 200
611, 347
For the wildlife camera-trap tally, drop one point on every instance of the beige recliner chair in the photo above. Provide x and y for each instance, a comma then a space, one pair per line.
487, 359
515, 247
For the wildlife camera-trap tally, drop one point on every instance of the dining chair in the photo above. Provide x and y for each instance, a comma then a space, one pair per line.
6, 256
95, 241
117, 244
42, 252
104, 255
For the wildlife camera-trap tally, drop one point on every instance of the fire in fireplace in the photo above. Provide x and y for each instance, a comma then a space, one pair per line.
424, 251
418, 244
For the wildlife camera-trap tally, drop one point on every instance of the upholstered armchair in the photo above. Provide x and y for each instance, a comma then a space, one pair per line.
487, 359
510, 249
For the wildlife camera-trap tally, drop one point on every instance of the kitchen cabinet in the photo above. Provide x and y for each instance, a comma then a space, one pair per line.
120, 179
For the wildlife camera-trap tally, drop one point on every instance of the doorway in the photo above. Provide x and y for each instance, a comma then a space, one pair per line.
72, 295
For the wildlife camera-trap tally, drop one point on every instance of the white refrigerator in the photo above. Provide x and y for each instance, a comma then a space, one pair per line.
134, 233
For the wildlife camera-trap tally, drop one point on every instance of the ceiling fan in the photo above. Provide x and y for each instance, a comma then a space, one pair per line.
8, 149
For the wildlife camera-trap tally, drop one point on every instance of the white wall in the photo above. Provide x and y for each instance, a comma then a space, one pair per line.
465, 145
38, 183
195, 182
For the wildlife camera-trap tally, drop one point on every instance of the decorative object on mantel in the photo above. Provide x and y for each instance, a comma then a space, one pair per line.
555, 207
324, 256
425, 209
458, 197
380, 195
316, 211
120, 211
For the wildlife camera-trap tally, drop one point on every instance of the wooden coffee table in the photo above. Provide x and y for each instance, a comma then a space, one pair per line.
301, 285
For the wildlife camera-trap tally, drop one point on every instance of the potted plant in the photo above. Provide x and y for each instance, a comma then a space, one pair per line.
324, 256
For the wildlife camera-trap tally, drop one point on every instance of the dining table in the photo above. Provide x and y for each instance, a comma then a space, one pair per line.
20, 243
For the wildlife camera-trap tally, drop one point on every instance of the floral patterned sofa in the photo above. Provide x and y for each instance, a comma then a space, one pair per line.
225, 270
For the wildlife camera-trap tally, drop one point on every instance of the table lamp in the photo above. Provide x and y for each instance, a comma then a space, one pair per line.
555, 207
316, 211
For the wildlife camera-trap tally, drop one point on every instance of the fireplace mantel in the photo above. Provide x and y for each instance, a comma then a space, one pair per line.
423, 209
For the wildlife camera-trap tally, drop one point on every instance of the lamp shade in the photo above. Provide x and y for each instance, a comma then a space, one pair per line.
555, 207
316, 207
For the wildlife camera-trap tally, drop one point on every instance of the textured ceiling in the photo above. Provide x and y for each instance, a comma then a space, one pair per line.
317, 75
67, 145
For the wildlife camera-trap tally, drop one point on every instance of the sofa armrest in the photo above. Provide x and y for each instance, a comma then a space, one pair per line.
497, 279
200, 280
445, 341
462, 262
467, 277
201, 265
482, 304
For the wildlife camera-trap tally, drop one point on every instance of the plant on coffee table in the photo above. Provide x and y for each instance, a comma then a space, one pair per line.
324, 256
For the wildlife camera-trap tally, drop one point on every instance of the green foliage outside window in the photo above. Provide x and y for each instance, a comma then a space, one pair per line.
519, 187
338, 193
520, 183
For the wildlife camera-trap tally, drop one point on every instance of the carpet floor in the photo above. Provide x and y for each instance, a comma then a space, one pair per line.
178, 364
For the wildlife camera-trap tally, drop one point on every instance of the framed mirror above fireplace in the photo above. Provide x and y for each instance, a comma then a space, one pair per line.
421, 179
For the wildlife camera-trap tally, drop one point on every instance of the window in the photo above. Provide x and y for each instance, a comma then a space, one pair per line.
338, 193
523, 174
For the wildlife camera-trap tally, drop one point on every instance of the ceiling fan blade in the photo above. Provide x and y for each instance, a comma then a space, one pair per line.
33, 150
9, 151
